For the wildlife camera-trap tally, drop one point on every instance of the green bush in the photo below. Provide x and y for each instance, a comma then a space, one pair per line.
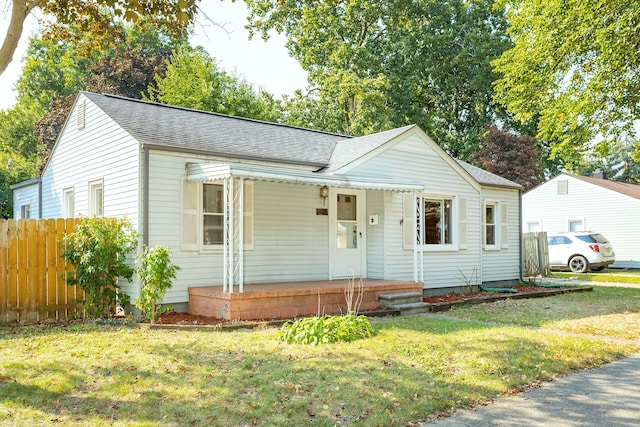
326, 329
155, 272
98, 249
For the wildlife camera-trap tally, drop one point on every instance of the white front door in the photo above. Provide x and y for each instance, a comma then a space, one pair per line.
347, 233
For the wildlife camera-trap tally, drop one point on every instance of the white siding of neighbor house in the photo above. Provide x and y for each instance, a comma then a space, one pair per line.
27, 195
503, 263
290, 240
412, 158
612, 214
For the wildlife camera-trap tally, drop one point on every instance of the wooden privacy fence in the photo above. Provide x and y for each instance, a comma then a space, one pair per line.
32, 271
535, 254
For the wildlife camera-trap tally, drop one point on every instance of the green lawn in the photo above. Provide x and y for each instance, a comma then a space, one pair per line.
618, 276
411, 369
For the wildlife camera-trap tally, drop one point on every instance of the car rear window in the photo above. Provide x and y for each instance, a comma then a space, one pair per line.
593, 238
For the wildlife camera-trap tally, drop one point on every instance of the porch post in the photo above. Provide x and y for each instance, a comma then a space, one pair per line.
233, 238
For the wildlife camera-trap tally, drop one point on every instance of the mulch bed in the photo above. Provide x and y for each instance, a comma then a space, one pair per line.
175, 318
455, 296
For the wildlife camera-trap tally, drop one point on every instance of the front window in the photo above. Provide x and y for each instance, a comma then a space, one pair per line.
437, 221
490, 225
212, 214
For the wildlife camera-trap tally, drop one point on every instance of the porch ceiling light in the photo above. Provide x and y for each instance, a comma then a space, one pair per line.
324, 191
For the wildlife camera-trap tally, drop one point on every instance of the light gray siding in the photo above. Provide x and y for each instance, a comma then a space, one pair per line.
290, 240
503, 263
108, 154
376, 235
413, 159
29, 195
604, 211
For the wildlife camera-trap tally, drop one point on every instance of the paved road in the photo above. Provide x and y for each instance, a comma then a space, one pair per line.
608, 396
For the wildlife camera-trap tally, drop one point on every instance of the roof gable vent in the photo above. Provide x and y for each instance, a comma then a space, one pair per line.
81, 115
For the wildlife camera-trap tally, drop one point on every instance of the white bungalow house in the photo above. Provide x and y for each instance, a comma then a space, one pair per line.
242, 203
580, 203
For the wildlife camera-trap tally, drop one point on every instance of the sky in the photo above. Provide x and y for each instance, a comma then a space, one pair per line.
265, 65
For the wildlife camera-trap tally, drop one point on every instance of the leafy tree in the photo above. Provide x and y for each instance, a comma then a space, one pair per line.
194, 80
98, 250
372, 64
511, 156
574, 67
94, 18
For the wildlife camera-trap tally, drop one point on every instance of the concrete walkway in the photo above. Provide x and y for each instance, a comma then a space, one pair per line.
606, 396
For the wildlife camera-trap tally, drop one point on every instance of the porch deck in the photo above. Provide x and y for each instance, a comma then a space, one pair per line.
291, 299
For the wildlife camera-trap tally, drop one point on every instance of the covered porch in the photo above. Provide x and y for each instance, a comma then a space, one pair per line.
267, 301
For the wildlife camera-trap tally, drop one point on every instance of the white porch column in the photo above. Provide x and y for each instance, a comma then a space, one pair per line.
233, 238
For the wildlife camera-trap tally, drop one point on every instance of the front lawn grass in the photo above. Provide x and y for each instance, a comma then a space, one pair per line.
410, 370
613, 276
607, 311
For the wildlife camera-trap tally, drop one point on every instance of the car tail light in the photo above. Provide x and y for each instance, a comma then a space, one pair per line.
595, 248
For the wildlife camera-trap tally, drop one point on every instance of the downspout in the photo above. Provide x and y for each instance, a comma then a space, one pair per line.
40, 197
520, 233
145, 196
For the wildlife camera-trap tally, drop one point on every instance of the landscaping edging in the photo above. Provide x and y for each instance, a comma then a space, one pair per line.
444, 306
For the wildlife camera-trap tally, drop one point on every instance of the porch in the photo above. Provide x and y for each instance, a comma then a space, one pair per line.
291, 299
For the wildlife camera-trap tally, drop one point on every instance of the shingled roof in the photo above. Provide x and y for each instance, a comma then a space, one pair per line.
631, 190
217, 134
487, 178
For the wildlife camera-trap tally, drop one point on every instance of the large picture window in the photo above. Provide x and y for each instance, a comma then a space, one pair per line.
434, 223
437, 221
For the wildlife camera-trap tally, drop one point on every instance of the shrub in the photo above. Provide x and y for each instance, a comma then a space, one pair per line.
98, 250
326, 329
155, 272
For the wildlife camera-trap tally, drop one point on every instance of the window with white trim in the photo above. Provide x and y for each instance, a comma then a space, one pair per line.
575, 225
203, 216
496, 225
96, 198
435, 222
25, 211
533, 226
69, 204
490, 225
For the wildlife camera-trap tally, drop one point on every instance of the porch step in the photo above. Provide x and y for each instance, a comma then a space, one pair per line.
398, 298
413, 308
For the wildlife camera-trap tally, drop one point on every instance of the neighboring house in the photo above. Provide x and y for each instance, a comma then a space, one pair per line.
241, 202
579, 203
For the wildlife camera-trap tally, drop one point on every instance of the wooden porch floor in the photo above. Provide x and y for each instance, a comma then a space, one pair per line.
289, 299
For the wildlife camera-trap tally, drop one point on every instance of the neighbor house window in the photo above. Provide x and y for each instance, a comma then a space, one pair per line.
533, 226
96, 198
25, 211
203, 215
69, 204
575, 225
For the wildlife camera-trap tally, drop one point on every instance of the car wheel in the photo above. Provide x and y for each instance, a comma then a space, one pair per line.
578, 264
597, 268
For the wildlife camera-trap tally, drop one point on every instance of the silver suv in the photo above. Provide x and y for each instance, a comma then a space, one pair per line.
580, 251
